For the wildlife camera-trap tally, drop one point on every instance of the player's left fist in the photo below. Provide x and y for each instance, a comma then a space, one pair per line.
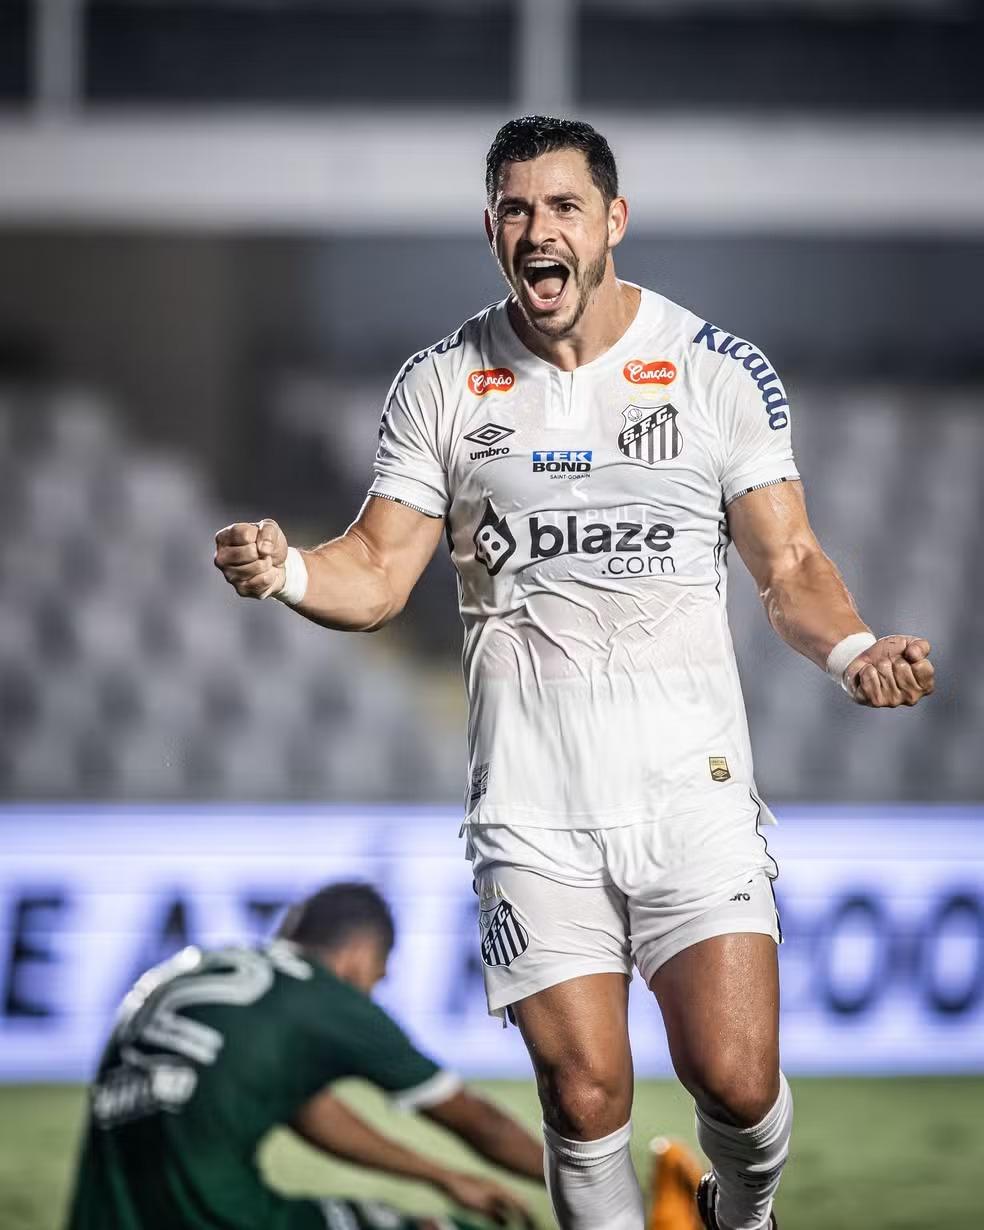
895, 671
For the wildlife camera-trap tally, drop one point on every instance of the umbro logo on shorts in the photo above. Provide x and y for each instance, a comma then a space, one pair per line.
503, 938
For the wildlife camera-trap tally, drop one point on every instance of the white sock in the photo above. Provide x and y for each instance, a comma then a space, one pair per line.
592, 1183
748, 1162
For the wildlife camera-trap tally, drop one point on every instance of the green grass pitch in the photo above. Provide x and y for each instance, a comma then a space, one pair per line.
867, 1154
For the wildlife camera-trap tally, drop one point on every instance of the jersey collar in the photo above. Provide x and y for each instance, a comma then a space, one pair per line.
505, 336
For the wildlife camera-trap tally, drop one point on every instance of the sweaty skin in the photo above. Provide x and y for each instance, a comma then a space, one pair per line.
808, 603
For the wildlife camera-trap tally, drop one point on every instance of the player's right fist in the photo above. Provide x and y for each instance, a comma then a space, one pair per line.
251, 557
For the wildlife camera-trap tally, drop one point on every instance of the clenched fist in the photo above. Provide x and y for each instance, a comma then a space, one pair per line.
251, 557
895, 671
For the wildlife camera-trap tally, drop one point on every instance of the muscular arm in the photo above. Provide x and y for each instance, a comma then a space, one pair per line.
808, 603
805, 598
490, 1132
356, 582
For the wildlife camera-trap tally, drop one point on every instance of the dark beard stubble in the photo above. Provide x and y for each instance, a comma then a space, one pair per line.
594, 274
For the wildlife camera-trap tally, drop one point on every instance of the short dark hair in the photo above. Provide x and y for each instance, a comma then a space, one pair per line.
532, 135
334, 914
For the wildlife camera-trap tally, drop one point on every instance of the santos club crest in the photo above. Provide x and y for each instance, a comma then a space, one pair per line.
503, 938
650, 435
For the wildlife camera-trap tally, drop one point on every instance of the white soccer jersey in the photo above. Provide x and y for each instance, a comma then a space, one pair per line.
586, 518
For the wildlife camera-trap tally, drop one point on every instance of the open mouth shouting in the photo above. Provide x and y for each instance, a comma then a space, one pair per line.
544, 281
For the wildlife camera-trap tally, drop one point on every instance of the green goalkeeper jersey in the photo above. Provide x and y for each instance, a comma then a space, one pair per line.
209, 1052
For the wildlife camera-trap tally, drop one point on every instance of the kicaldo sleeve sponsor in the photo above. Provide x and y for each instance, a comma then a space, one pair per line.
752, 416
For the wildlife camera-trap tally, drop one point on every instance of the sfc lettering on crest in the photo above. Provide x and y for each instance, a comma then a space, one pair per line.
649, 435
503, 937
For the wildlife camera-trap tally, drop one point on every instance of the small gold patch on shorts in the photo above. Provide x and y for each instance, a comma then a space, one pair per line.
719, 768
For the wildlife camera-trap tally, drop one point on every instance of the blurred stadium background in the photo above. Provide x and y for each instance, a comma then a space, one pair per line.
223, 225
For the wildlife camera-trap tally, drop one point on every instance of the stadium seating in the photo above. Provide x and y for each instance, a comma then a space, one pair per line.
129, 671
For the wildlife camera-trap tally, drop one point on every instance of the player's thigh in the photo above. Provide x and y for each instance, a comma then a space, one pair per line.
556, 955
720, 1003
576, 1032
536, 932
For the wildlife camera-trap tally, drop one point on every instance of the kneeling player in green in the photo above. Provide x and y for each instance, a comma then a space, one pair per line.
213, 1049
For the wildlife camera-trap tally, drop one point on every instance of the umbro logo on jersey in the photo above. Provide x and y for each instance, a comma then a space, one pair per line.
491, 380
490, 434
494, 541
718, 766
649, 435
649, 371
503, 937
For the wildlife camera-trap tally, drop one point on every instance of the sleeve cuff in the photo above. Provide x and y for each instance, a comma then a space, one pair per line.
751, 480
436, 1089
411, 492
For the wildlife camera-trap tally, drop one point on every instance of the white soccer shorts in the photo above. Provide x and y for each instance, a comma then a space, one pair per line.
560, 903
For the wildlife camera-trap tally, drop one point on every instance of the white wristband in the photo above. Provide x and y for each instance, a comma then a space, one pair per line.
844, 653
295, 578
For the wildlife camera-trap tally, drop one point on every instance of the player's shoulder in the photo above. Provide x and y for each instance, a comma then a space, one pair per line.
714, 349
440, 365
701, 342
724, 365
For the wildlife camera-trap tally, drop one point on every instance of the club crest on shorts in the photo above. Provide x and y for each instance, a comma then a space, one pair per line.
718, 766
650, 434
503, 939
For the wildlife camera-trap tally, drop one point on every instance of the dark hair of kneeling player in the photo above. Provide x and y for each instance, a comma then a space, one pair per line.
337, 913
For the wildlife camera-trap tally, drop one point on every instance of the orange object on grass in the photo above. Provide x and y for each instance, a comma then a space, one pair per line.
673, 1186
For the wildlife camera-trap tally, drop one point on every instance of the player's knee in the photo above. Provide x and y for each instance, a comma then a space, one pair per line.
581, 1111
582, 1104
736, 1086
741, 1094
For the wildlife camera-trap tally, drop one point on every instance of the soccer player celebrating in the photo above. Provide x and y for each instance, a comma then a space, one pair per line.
592, 450
213, 1049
